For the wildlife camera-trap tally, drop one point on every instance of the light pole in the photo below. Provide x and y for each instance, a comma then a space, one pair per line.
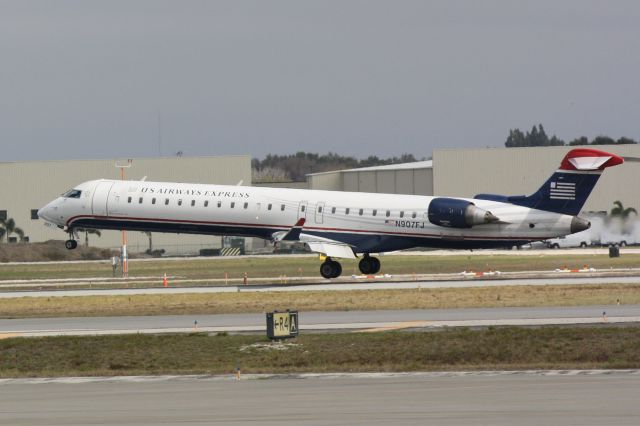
123, 249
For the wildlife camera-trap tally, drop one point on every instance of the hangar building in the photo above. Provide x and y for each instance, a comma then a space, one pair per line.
467, 172
27, 186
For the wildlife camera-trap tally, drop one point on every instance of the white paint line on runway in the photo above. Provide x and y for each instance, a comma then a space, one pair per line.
313, 376
403, 285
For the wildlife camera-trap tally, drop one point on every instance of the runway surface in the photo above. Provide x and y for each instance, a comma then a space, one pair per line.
589, 399
453, 282
323, 321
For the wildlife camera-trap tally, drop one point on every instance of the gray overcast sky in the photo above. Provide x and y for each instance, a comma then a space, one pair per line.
88, 79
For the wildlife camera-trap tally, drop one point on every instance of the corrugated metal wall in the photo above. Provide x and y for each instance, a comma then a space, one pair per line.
30, 185
521, 171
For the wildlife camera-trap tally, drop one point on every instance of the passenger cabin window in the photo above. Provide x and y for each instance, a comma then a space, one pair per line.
179, 202
360, 212
388, 213
282, 207
72, 193
320, 209
219, 204
129, 200
206, 203
233, 204
401, 214
375, 212
140, 200
346, 211
246, 205
302, 208
269, 207
413, 215
166, 201
333, 210
193, 203
153, 201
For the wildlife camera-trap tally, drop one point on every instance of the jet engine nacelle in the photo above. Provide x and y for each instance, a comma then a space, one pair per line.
454, 213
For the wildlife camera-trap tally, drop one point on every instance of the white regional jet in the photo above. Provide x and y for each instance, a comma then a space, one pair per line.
338, 224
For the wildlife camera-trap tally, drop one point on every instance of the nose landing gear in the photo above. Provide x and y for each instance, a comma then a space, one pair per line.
330, 268
71, 243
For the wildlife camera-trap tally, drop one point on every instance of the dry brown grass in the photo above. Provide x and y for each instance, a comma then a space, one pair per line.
251, 302
459, 349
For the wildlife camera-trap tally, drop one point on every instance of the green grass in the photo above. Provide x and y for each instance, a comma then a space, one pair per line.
275, 266
252, 302
460, 349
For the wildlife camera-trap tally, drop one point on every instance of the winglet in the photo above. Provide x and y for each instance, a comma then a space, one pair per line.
292, 234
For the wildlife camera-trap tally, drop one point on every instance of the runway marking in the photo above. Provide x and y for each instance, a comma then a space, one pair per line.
398, 326
314, 376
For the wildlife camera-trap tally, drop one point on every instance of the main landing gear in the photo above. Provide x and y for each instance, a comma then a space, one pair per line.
330, 268
369, 265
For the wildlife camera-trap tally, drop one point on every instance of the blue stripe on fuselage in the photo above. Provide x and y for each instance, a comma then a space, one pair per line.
363, 243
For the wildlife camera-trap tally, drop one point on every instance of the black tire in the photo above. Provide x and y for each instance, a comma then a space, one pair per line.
365, 265
375, 262
583, 245
555, 246
337, 269
623, 243
327, 269
70, 244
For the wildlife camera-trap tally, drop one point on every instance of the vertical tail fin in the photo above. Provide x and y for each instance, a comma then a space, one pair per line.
568, 188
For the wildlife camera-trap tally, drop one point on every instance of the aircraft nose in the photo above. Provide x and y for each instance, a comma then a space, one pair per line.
45, 213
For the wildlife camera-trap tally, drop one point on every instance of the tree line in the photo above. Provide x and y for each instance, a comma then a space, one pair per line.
538, 137
295, 167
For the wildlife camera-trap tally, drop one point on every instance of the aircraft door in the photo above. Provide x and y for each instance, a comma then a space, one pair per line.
117, 200
302, 209
100, 197
320, 212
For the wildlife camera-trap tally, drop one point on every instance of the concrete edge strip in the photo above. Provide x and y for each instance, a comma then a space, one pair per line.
314, 376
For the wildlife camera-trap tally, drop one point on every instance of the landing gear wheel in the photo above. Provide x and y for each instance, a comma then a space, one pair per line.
376, 265
369, 265
330, 269
70, 244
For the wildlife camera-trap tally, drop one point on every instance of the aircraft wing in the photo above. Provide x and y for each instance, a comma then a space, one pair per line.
339, 250
330, 248
326, 246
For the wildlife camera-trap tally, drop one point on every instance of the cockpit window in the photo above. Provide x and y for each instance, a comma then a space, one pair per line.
72, 193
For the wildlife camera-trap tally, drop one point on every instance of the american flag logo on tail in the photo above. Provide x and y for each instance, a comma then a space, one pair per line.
562, 191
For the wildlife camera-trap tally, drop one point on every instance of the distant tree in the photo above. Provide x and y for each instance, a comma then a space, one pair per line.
603, 140
536, 137
150, 236
296, 166
618, 210
9, 228
269, 174
515, 139
88, 231
582, 140
625, 141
